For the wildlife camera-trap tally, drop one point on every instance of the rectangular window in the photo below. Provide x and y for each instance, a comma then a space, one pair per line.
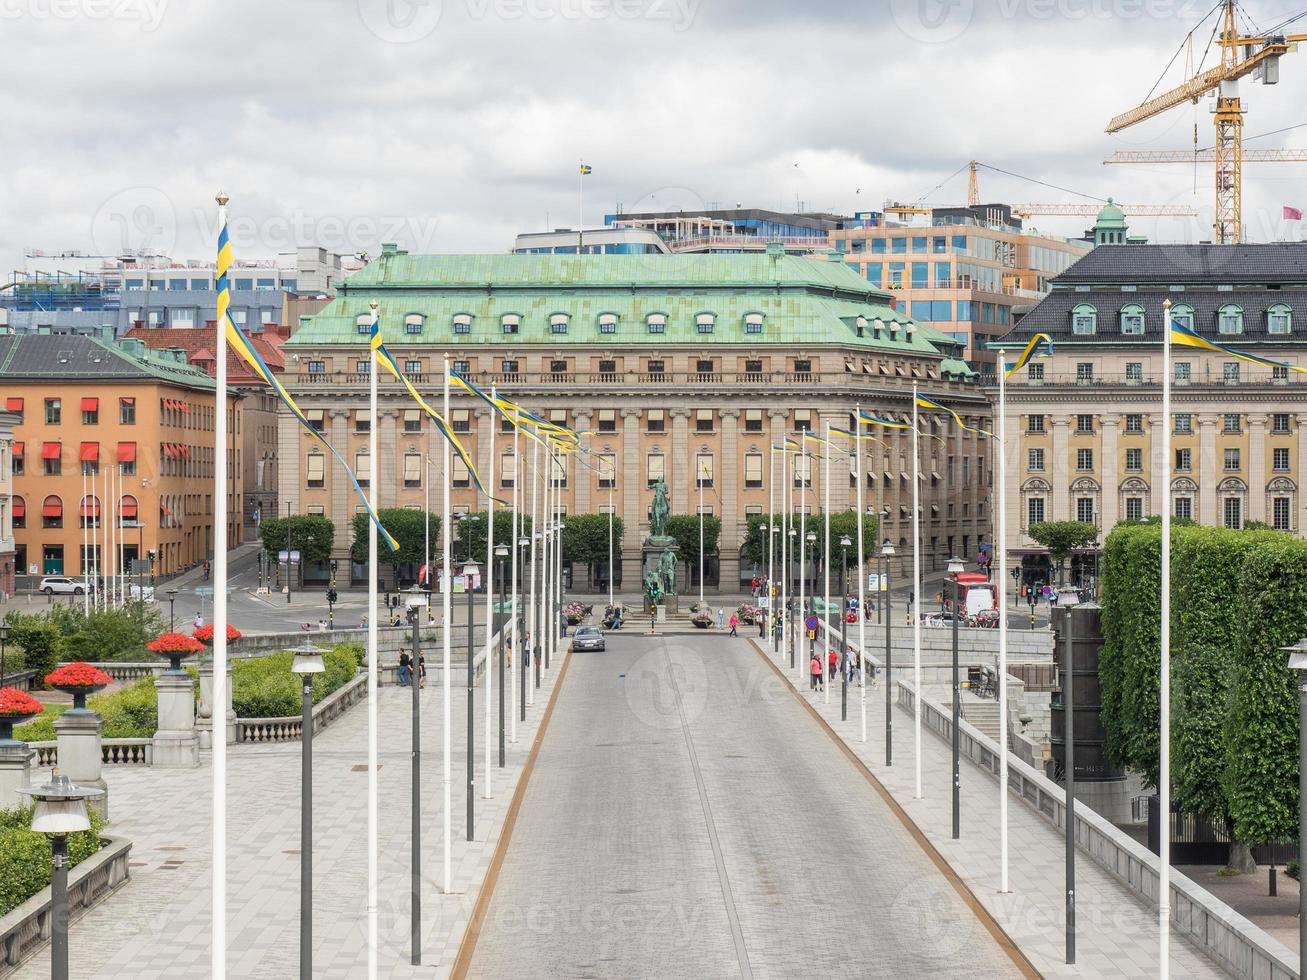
1034, 510
1184, 507
1280, 422
1279, 374
413, 367
1084, 460
1034, 424
753, 420
703, 470
508, 368
508, 468
362, 421
803, 420
316, 417
655, 468
1035, 460
316, 469
703, 420
1182, 372
920, 275
1084, 373
127, 411
462, 420
608, 369
53, 411
363, 368
363, 468
1085, 509
1084, 424
1184, 423
459, 475
1134, 459
1134, 372
1184, 460
656, 420
656, 367
1134, 423
1230, 424
607, 420
412, 470
873, 272
317, 367
1280, 459
1281, 514
1134, 508
1230, 372
1231, 460
753, 471
1232, 511
918, 243
412, 420
703, 365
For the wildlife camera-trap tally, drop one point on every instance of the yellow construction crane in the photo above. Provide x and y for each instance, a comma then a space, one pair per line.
1091, 210
1241, 55
1205, 156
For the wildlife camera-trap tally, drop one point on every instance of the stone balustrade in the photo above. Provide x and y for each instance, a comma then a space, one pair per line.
23, 680
291, 727
113, 751
25, 929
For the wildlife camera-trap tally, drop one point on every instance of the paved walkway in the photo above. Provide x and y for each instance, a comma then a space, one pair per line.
157, 927
1116, 934
686, 818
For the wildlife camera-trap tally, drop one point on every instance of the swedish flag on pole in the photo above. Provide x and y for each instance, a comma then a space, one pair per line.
586, 169
1041, 345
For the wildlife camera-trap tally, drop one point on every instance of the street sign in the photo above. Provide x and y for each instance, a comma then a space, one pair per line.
140, 566
811, 623
764, 602
873, 581
293, 555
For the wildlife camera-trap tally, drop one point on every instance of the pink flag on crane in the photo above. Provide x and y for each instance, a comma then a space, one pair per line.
1292, 214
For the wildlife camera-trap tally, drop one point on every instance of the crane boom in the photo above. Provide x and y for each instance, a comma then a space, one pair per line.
1205, 156
1090, 210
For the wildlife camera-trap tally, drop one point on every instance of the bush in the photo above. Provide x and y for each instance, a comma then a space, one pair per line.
131, 712
40, 641
25, 855
266, 688
107, 634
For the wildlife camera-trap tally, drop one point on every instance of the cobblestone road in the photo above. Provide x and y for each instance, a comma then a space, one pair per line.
686, 819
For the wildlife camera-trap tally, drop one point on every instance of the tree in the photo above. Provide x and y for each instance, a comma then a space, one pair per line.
312, 535
585, 537
40, 640
471, 531
841, 522
1062, 537
406, 527
685, 529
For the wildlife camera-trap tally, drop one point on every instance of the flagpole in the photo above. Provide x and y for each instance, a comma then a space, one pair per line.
825, 554
218, 900
533, 612
770, 616
546, 566
916, 589
1001, 545
86, 524
787, 554
580, 208
490, 592
1164, 687
446, 631
862, 598
801, 462
612, 480
700, 482
558, 548
373, 665
514, 645
102, 545
426, 537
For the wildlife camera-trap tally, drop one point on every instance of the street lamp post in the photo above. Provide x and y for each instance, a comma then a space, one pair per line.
845, 542
290, 562
307, 662
811, 544
501, 558
764, 530
955, 567
773, 591
1068, 739
523, 651
1298, 662
789, 624
172, 619
884, 518
59, 809
887, 552
414, 614
470, 569
4, 635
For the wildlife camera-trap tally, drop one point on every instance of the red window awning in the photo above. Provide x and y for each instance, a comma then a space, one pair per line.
18, 450
51, 450
90, 451
20, 508
127, 452
127, 508
185, 451
53, 507
163, 509
90, 404
128, 400
13, 404
167, 450
91, 507
184, 407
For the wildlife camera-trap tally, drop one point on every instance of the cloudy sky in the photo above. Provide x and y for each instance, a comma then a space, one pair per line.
451, 125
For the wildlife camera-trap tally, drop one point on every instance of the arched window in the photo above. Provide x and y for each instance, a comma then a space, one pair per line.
1229, 319
510, 322
657, 322
1279, 319
1132, 320
462, 324
20, 512
52, 512
89, 512
127, 510
705, 322
753, 323
608, 323
558, 323
1183, 315
413, 323
363, 323
1084, 320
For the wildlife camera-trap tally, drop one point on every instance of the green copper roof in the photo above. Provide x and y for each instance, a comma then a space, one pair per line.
799, 299
1110, 216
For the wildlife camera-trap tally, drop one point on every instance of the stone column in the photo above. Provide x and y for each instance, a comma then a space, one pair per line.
582, 479
729, 484
341, 514
1208, 474
176, 745
680, 467
1110, 505
385, 467
1256, 468
205, 713
15, 773
1061, 502
631, 480
80, 757
287, 465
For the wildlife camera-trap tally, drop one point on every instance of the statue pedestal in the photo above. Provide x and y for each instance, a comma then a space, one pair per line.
651, 558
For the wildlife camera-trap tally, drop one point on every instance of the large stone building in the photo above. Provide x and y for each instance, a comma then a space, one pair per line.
677, 363
86, 409
1085, 424
7, 422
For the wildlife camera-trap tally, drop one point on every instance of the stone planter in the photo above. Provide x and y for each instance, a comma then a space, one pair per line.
15, 762
80, 693
176, 743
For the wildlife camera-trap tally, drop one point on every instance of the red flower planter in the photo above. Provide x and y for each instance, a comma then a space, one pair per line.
16, 707
175, 646
205, 634
79, 679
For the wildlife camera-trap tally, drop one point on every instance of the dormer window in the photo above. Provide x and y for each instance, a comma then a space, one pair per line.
510, 323
1084, 320
462, 323
363, 323
608, 323
1132, 320
1229, 319
413, 323
1183, 315
705, 322
558, 323
753, 323
656, 322
861, 325
1279, 319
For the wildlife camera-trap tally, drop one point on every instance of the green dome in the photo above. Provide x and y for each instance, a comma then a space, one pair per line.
1110, 216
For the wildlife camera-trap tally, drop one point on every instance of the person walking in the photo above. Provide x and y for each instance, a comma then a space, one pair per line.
422, 670
814, 670
405, 668
198, 621
721, 618
735, 622
833, 662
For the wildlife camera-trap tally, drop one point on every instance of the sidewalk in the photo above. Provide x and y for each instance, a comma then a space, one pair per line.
158, 925
1116, 935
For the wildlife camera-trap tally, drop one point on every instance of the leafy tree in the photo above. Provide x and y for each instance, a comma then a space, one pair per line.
1062, 537
585, 537
108, 634
685, 529
405, 526
472, 528
312, 535
841, 523
40, 641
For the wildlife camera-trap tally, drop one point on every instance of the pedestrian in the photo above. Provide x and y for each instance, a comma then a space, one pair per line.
405, 670
814, 670
363, 621
198, 621
422, 670
322, 626
833, 662
304, 628
206, 570
721, 617
735, 622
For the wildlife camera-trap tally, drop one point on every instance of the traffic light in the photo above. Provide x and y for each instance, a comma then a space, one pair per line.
335, 563
331, 596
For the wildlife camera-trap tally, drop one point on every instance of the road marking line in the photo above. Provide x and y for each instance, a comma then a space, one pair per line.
467, 947
987, 920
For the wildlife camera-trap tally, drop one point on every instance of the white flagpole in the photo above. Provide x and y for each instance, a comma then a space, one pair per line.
532, 610
612, 482
218, 956
699, 481
769, 616
558, 552
916, 589
426, 539
1164, 687
1000, 589
373, 661
787, 556
825, 559
515, 647
862, 598
490, 596
801, 626
446, 631
102, 545
546, 566
86, 523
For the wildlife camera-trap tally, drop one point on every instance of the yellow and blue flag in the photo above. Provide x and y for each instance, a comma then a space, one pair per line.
586, 169
869, 419
847, 434
237, 341
1186, 337
1041, 345
924, 402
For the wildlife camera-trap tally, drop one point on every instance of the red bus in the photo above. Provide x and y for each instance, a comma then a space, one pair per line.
978, 594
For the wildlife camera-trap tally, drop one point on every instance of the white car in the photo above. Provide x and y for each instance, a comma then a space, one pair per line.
63, 585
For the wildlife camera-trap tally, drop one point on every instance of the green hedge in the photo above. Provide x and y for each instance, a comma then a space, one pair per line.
131, 712
25, 855
266, 688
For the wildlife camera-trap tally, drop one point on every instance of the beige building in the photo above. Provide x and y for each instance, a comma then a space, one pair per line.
1086, 424
678, 364
8, 421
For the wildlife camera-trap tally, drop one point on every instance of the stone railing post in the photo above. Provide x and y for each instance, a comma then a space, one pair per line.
15, 772
205, 712
176, 745
81, 755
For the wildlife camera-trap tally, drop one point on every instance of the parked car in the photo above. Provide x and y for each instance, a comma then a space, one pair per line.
63, 585
588, 638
